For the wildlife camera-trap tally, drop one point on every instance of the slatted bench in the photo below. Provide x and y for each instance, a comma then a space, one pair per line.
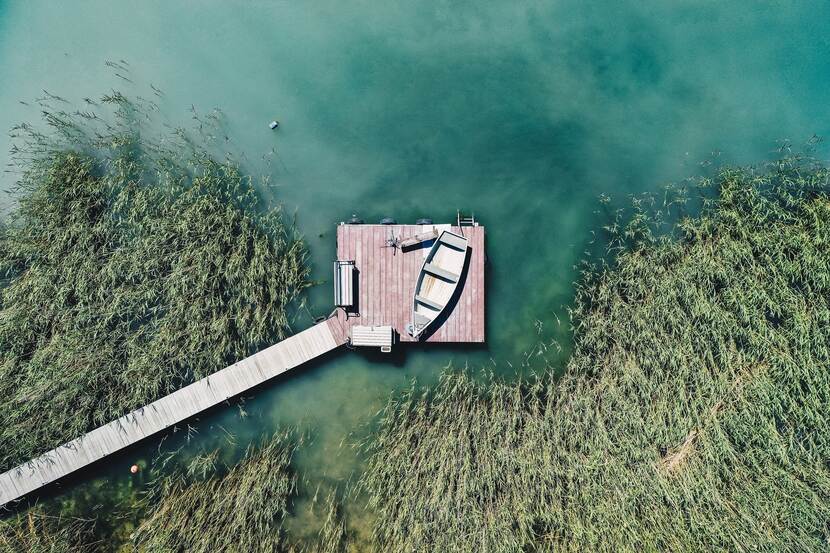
373, 336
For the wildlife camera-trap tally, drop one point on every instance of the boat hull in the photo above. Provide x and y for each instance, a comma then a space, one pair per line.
439, 280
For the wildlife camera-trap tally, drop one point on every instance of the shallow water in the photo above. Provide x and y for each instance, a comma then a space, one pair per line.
523, 113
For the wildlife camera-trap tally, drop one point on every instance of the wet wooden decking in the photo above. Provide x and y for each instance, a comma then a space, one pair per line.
171, 410
387, 277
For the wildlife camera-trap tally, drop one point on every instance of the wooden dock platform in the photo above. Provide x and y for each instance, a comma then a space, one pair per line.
386, 279
172, 409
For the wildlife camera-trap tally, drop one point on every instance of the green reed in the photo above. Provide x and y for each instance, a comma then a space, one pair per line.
131, 266
37, 532
694, 414
204, 507
240, 510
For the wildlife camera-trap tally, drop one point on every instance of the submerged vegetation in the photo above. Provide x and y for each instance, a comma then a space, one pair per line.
130, 268
242, 508
37, 532
197, 505
198, 510
694, 414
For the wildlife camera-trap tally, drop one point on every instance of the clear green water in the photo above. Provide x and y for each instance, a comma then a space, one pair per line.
523, 112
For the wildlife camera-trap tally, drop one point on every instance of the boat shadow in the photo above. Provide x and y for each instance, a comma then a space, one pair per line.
419, 246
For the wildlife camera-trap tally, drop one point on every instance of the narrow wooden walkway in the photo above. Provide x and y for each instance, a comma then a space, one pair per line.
172, 409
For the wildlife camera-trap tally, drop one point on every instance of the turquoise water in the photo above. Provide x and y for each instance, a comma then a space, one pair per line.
524, 113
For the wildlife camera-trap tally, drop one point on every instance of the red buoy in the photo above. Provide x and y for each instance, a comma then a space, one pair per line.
134, 469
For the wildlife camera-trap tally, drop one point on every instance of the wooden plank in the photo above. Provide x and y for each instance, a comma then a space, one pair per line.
397, 295
372, 269
441, 273
478, 316
389, 255
380, 240
419, 238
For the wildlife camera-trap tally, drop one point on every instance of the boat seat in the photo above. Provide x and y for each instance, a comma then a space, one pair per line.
442, 273
428, 302
453, 241
421, 320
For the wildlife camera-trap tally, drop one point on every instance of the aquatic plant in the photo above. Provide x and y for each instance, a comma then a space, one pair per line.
241, 509
37, 532
693, 414
333, 536
131, 267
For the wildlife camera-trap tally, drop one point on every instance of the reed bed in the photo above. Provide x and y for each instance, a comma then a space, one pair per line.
37, 532
202, 507
130, 267
241, 510
694, 413
333, 536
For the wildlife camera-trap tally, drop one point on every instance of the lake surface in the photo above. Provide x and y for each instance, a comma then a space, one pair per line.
524, 113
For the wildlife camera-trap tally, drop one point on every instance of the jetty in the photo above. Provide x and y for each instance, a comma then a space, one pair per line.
374, 282
170, 410
385, 261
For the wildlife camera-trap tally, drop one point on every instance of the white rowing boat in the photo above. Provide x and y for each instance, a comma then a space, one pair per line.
438, 281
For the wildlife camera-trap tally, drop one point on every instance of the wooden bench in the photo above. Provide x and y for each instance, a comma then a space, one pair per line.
344, 283
373, 336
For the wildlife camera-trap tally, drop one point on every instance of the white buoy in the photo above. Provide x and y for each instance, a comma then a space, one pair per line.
273, 125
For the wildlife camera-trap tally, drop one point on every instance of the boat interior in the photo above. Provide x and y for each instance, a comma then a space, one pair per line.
442, 271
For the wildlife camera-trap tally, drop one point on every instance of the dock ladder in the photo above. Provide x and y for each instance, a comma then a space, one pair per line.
465, 221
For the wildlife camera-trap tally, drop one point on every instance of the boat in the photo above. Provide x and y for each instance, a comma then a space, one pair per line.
438, 281
419, 238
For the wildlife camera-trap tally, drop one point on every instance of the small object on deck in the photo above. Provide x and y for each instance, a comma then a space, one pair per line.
419, 238
387, 221
373, 336
424, 221
344, 283
273, 125
134, 469
355, 220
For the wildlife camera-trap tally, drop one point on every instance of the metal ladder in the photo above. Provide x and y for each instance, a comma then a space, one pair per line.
464, 221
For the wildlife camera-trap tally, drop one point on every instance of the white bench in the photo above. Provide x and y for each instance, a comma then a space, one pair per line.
344, 283
454, 241
373, 336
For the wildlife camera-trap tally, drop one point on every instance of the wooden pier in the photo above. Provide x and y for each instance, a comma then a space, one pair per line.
379, 289
386, 278
171, 410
